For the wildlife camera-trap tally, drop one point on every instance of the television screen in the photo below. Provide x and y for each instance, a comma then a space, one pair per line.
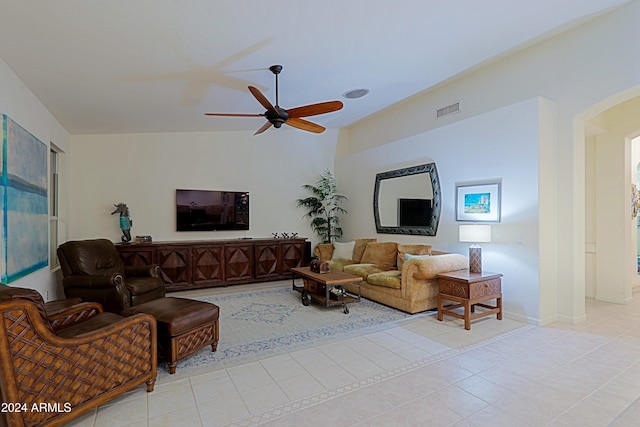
414, 212
211, 210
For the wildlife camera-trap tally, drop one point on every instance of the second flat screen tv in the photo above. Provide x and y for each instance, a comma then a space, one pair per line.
212, 210
414, 212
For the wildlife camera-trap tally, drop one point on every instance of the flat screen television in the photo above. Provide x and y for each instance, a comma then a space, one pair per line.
212, 210
414, 212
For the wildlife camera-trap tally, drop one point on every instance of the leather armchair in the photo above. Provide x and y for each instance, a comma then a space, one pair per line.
88, 359
93, 271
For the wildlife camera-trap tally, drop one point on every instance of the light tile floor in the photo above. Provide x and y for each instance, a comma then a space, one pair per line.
422, 373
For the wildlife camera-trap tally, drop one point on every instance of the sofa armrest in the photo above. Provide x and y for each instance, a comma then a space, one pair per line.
417, 271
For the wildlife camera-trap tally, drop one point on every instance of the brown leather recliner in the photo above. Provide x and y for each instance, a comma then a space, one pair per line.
72, 361
93, 270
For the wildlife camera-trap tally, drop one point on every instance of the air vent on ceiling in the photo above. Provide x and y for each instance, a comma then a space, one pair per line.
449, 109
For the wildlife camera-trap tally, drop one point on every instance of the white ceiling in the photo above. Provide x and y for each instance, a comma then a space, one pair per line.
124, 66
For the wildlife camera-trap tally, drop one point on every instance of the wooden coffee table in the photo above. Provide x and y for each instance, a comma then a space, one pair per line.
317, 287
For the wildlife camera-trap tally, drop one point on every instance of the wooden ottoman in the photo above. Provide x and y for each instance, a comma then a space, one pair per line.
184, 326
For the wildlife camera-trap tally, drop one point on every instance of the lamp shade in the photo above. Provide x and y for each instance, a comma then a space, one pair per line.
475, 233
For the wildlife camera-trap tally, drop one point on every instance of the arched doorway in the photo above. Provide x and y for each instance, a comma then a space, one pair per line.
611, 247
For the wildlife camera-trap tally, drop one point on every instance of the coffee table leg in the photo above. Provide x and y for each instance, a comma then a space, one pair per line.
499, 304
440, 314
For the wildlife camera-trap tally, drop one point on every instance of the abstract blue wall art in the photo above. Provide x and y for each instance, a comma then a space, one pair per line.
23, 202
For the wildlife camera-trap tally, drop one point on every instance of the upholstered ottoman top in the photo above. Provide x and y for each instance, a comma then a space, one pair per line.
176, 316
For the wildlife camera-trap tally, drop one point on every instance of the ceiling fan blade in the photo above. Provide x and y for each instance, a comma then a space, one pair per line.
233, 115
261, 98
263, 128
305, 125
315, 109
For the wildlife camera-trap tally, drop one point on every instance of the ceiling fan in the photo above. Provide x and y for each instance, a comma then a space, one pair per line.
277, 116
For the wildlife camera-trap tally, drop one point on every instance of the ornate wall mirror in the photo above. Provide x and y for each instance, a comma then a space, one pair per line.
407, 201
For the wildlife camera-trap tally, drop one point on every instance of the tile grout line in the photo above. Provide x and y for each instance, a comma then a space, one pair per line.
321, 397
599, 387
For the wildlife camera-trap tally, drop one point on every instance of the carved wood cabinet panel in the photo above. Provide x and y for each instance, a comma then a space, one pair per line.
238, 261
267, 260
207, 265
201, 264
174, 262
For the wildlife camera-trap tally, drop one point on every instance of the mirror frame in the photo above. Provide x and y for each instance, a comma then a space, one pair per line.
428, 168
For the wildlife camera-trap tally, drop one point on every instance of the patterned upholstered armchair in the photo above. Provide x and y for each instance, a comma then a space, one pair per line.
92, 270
87, 359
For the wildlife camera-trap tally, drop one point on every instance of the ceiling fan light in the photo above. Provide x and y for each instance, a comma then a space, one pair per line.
355, 93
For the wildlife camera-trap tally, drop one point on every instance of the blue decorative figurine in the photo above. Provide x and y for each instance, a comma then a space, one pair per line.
125, 221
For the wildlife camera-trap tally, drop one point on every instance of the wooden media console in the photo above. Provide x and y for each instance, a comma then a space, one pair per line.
188, 265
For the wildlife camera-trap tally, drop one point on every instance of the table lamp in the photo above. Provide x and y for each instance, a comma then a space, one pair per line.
475, 233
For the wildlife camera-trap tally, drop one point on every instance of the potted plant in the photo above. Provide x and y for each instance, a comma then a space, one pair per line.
323, 207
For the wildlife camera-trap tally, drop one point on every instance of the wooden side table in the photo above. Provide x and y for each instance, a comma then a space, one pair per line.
469, 290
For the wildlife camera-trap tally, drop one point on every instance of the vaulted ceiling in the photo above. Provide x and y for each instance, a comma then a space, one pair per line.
123, 66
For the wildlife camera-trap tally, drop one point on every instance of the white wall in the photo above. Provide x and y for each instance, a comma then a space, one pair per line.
580, 72
17, 102
144, 170
467, 151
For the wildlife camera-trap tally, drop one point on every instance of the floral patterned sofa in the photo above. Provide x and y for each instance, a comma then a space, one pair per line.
402, 276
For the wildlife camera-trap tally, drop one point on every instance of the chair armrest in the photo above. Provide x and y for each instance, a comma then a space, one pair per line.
151, 270
93, 281
81, 311
86, 370
59, 305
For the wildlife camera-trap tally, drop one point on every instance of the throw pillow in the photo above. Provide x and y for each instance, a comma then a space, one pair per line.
407, 257
383, 254
324, 251
343, 250
413, 249
361, 245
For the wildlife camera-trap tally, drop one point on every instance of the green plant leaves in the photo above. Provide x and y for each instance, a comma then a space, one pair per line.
324, 206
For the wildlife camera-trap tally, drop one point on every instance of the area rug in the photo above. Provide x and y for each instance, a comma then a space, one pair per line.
264, 322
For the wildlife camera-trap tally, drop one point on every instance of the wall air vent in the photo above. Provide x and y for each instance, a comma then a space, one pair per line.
450, 109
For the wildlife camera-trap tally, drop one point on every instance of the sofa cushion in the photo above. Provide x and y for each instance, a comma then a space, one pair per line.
362, 270
412, 250
324, 251
383, 254
339, 264
387, 279
361, 245
343, 250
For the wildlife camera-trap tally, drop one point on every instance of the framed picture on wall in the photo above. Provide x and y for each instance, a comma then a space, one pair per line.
24, 206
478, 202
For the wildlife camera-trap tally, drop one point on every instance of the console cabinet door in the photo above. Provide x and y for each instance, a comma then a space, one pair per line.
134, 256
208, 265
292, 255
174, 262
267, 260
238, 262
